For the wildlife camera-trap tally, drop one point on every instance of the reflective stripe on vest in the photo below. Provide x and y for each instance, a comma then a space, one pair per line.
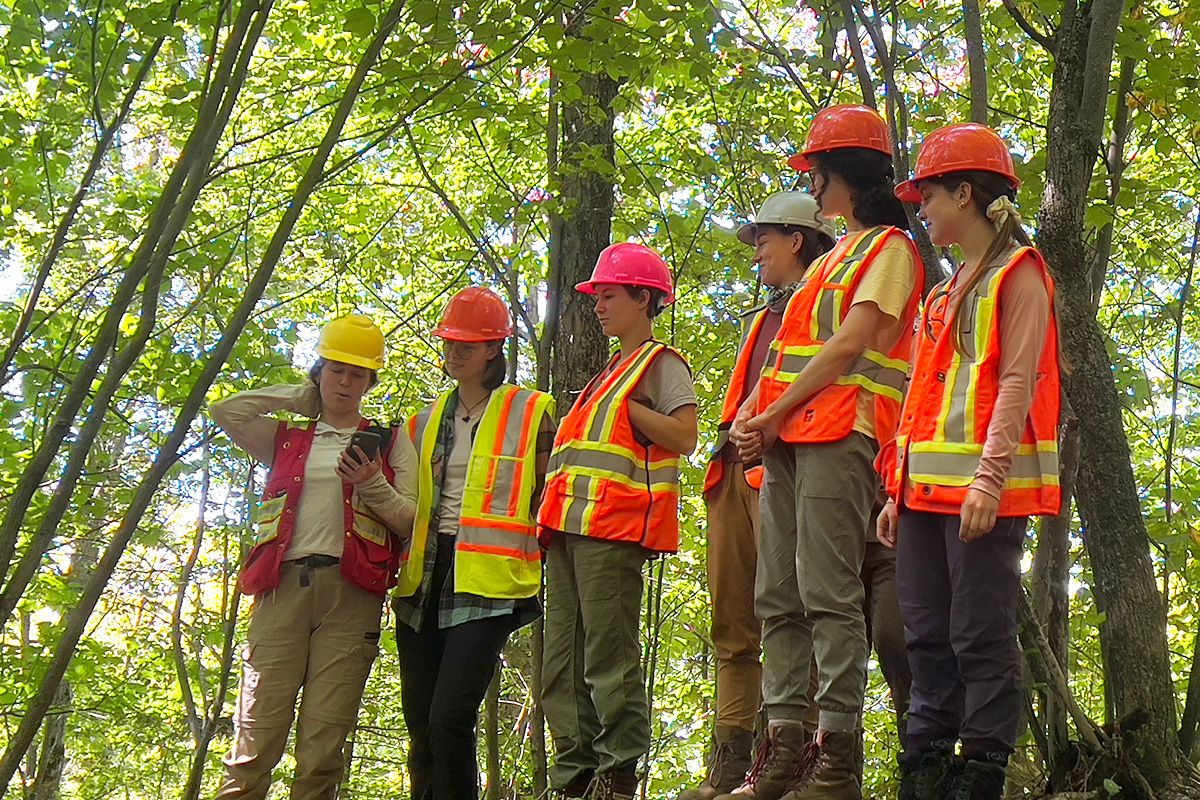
729, 408
496, 552
601, 481
813, 316
946, 415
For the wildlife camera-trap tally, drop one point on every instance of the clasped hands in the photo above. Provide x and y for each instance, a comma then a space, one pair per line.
753, 433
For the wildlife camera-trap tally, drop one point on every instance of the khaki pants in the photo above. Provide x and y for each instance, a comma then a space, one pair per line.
815, 506
593, 691
736, 632
322, 637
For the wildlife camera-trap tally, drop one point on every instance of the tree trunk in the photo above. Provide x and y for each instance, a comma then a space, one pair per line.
1133, 633
53, 758
491, 717
76, 621
976, 61
1051, 603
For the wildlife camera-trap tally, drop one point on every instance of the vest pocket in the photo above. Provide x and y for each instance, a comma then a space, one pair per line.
264, 515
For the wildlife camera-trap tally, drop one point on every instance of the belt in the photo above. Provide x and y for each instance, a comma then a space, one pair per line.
309, 563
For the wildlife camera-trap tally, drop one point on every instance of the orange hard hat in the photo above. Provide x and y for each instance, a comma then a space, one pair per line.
475, 314
842, 127
630, 264
966, 147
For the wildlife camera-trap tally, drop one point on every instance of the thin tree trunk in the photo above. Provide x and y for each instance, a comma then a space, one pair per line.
53, 757
230, 601
195, 724
976, 61
77, 619
1133, 633
1115, 160
491, 728
1051, 602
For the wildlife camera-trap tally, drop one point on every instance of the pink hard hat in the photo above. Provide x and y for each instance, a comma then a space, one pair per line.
630, 264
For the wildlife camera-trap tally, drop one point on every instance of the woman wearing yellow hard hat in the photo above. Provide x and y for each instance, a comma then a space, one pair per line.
338, 503
472, 573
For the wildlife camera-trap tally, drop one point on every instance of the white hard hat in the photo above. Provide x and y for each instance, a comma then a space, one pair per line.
787, 208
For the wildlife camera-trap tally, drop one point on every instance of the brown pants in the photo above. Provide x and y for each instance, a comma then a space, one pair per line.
322, 636
736, 632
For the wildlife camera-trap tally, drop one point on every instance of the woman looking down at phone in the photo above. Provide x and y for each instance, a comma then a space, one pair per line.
472, 573
328, 535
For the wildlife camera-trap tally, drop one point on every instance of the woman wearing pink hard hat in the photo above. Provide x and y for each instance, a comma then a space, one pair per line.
611, 503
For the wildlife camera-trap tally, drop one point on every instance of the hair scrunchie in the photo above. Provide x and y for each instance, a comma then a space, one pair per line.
1001, 210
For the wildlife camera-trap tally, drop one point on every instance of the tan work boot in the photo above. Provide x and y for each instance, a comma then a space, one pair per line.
733, 751
837, 778
786, 759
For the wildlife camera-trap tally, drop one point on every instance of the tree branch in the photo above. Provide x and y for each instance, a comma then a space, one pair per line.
1030, 31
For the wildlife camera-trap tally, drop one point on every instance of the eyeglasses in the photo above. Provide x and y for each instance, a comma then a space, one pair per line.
464, 349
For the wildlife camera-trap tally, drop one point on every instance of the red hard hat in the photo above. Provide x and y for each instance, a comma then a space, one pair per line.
842, 127
475, 314
966, 147
630, 264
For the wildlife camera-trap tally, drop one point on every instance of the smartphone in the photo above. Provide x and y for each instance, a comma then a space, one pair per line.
370, 440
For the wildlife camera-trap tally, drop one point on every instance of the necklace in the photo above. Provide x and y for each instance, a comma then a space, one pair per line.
466, 417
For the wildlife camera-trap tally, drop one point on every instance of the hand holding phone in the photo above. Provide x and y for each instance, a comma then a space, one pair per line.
360, 460
366, 440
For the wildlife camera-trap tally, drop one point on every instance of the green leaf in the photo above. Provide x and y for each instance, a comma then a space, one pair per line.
359, 21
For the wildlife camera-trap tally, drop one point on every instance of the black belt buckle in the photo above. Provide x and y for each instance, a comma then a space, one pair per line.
309, 563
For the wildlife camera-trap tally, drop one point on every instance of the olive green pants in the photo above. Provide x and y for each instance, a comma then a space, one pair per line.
815, 506
593, 690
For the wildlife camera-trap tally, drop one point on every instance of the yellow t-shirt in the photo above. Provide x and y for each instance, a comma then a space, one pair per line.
888, 284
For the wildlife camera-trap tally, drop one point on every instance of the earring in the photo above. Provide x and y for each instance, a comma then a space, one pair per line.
962, 205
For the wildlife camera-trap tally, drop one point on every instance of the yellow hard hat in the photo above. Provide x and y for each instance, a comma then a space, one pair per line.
353, 339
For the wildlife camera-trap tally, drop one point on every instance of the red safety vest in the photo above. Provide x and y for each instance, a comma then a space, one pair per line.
733, 399
814, 314
370, 552
602, 481
950, 402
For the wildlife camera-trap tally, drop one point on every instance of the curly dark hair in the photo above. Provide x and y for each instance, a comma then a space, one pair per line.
871, 178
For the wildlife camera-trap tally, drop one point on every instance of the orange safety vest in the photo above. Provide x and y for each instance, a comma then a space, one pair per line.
950, 402
729, 409
814, 314
602, 481
496, 551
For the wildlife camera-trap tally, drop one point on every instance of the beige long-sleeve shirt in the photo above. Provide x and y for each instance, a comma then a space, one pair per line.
246, 417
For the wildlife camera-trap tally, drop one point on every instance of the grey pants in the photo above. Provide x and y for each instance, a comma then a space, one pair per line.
959, 603
815, 505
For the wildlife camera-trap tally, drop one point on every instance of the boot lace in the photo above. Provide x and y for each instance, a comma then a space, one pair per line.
762, 759
805, 765
722, 753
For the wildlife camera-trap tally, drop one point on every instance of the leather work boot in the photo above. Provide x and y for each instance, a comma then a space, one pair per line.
618, 784
981, 778
733, 751
785, 760
576, 789
837, 777
929, 774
